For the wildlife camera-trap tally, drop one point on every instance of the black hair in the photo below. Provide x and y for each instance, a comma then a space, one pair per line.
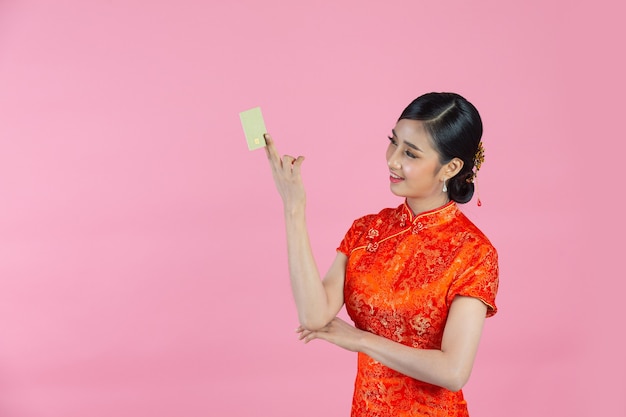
455, 127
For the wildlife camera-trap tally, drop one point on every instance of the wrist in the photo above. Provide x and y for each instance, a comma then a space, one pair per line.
294, 210
364, 340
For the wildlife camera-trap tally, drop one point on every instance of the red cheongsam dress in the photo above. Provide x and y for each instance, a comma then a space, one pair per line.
403, 274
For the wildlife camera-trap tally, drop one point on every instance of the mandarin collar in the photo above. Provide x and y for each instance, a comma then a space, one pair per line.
428, 218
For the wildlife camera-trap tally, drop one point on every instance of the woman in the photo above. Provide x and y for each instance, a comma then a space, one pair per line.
417, 280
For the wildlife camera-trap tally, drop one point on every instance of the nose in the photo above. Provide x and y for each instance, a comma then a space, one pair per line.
393, 161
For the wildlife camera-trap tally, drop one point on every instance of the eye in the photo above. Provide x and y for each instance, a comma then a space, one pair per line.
410, 154
392, 140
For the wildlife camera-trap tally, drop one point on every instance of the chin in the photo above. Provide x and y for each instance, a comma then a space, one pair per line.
394, 192
396, 189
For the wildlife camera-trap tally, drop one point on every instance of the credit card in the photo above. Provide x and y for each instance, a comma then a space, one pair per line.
253, 127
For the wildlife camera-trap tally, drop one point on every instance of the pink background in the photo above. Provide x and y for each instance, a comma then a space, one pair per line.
142, 254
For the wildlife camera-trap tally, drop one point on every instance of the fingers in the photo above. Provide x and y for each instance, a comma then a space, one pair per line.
287, 162
307, 335
303, 332
270, 150
297, 164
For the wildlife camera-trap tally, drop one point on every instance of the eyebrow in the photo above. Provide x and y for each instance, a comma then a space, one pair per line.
409, 144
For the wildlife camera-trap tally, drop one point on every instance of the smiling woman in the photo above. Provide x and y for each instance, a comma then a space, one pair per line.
450, 130
417, 280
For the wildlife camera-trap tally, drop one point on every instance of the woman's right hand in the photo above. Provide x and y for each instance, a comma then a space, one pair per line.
286, 173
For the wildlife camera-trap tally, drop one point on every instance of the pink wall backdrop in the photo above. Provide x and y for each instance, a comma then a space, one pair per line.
142, 256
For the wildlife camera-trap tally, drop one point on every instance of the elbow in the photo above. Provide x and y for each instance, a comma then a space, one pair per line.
313, 324
454, 386
456, 381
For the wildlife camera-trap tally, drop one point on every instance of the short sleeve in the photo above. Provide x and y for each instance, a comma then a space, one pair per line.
354, 235
478, 277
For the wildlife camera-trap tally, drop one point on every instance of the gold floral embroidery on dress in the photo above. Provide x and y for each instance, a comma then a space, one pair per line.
402, 217
372, 247
418, 227
372, 234
420, 324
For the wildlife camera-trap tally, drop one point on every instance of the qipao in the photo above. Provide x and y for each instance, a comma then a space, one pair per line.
402, 275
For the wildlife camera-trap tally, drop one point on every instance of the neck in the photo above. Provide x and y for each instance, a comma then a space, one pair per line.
419, 206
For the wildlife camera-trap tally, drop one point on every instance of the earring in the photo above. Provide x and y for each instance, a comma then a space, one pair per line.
445, 188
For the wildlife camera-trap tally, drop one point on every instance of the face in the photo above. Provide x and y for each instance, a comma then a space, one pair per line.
415, 170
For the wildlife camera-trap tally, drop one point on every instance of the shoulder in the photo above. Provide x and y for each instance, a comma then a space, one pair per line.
470, 232
367, 226
476, 258
369, 220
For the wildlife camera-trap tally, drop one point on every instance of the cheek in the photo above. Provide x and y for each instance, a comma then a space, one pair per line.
417, 170
409, 171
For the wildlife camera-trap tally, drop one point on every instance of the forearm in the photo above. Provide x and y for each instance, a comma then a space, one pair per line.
449, 367
310, 293
306, 284
433, 366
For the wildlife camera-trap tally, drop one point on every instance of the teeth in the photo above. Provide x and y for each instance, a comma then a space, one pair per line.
395, 176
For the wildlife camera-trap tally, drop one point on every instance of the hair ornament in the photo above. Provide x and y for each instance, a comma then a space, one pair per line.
479, 158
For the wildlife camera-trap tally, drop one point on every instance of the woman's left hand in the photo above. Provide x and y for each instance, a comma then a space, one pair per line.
337, 332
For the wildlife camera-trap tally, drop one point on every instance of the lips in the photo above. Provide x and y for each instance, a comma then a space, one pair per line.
394, 178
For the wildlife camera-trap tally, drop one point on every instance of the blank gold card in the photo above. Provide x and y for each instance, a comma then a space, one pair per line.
253, 127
